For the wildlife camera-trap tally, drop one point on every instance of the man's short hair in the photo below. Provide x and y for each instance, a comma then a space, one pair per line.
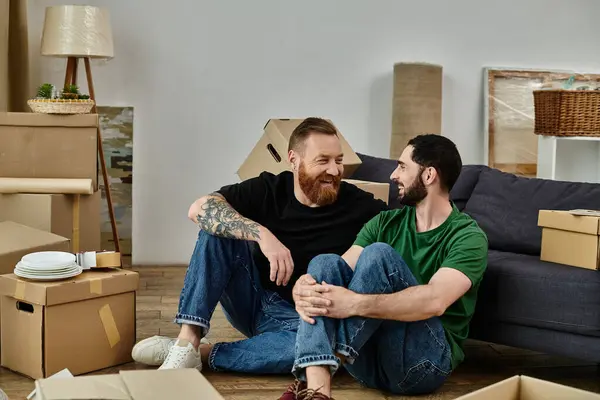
439, 152
306, 128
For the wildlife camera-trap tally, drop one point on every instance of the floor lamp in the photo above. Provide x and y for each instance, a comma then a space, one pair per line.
74, 32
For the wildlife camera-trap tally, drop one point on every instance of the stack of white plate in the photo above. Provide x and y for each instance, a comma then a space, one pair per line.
48, 266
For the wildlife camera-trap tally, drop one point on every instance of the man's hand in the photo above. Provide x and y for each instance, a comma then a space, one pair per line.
308, 297
279, 257
344, 301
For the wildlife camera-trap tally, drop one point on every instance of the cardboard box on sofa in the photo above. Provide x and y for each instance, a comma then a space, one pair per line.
527, 388
49, 146
182, 384
381, 191
84, 324
571, 237
54, 213
270, 153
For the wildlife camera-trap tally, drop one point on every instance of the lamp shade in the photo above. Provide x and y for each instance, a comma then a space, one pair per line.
77, 31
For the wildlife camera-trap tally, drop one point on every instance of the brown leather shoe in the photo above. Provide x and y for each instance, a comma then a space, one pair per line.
292, 391
311, 394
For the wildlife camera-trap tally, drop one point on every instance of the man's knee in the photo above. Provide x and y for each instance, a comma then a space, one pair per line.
325, 267
377, 251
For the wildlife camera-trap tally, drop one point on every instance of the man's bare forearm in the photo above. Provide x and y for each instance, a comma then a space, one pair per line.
415, 303
215, 216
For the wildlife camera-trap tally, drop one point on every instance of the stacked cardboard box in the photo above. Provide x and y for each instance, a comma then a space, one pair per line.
51, 146
270, 154
84, 323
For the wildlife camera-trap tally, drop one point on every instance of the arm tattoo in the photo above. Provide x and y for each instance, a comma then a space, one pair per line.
220, 219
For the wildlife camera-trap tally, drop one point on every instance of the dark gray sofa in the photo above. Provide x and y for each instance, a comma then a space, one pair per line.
523, 302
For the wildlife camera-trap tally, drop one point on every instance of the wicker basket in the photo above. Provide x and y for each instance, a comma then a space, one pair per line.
61, 106
567, 112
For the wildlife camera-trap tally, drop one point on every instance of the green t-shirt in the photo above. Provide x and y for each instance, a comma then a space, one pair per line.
458, 243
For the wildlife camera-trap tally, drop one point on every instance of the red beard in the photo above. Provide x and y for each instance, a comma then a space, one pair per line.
314, 189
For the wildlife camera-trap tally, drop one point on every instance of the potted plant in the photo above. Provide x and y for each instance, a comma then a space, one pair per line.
68, 101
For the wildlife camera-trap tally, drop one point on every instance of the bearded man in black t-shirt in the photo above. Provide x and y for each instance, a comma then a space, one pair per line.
256, 239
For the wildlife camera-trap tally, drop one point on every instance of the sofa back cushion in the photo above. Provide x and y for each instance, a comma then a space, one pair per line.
506, 207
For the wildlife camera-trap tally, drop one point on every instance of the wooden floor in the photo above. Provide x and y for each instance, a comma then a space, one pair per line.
486, 363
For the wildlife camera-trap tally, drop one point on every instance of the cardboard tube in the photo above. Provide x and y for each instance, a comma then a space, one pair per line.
46, 185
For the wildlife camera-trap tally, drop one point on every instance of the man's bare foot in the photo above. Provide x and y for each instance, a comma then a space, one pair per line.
205, 350
318, 379
192, 334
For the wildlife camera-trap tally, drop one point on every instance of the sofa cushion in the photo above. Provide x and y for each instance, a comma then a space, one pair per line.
506, 207
376, 169
463, 188
521, 289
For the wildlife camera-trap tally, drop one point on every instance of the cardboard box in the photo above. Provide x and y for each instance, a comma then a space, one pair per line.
17, 240
182, 384
36, 145
271, 152
381, 191
571, 237
84, 324
526, 388
54, 213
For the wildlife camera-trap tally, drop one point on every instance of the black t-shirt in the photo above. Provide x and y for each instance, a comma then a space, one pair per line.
306, 231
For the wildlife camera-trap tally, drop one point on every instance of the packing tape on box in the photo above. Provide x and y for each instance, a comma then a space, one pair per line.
110, 326
92, 259
20, 290
96, 286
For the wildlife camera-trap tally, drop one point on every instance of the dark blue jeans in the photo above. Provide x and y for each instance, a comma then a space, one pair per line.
222, 270
400, 357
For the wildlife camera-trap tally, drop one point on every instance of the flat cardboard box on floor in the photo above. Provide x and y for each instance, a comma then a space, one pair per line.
54, 213
270, 153
180, 384
83, 324
570, 238
379, 190
527, 388
35, 145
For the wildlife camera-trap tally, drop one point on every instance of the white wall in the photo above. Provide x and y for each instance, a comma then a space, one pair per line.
200, 70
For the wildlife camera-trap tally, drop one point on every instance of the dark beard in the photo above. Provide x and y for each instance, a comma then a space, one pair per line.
312, 188
415, 193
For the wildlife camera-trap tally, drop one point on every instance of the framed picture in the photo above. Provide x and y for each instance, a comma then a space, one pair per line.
510, 144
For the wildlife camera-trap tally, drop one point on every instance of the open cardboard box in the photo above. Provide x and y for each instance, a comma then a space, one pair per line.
527, 388
180, 384
271, 152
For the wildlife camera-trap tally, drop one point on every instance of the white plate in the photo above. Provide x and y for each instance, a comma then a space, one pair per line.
48, 259
45, 273
56, 277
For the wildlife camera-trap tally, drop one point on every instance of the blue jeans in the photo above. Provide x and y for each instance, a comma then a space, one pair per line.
407, 358
222, 270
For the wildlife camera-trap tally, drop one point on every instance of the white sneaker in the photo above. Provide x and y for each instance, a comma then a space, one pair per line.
182, 355
153, 350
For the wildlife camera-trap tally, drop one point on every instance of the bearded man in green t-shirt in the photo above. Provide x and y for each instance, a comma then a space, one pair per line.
396, 307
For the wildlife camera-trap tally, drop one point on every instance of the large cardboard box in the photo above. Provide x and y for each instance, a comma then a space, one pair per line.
571, 237
180, 384
84, 324
379, 190
527, 388
54, 213
270, 153
34, 145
